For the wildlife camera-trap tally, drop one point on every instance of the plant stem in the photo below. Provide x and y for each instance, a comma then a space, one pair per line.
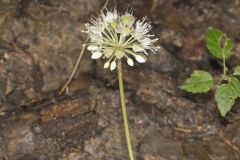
78, 60
224, 66
124, 111
225, 76
74, 69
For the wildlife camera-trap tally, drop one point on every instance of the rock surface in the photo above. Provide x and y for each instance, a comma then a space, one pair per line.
39, 44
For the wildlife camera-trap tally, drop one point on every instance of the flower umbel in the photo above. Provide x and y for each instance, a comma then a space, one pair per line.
114, 36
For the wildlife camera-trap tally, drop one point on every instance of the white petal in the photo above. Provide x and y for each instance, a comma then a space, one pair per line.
113, 65
96, 55
140, 59
146, 41
92, 48
145, 52
110, 17
137, 48
106, 65
130, 62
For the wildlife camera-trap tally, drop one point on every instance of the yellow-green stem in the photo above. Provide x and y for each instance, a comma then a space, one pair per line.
124, 111
225, 76
224, 66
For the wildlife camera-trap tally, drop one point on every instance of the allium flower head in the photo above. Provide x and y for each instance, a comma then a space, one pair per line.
114, 36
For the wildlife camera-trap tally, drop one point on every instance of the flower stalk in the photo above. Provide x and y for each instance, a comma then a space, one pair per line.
124, 111
115, 38
65, 86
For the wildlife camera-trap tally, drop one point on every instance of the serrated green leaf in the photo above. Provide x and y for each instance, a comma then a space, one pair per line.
213, 39
237, 70
199, 82
236, 84
225, 97
227, 49
226, 94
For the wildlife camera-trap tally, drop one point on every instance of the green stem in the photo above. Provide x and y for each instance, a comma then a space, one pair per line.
224, 66
225, 76
124, 111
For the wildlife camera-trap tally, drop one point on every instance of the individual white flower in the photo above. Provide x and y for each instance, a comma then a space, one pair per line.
110, 16
114, 37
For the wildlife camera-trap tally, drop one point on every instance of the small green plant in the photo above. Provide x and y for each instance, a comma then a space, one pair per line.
228, 87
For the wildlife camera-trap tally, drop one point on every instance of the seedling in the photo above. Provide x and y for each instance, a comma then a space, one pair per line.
228, 87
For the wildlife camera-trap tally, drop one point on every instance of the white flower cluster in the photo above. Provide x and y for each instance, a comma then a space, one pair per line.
114, 36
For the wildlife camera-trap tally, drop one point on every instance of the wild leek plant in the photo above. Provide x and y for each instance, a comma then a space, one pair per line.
228, 87
115, 37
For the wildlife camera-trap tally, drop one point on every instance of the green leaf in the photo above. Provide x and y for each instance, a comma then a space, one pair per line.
226, 95
236, 84
214, 39
227, 49
199, 82
237, 70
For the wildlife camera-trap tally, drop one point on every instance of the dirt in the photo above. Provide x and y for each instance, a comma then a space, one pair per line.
39, 43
